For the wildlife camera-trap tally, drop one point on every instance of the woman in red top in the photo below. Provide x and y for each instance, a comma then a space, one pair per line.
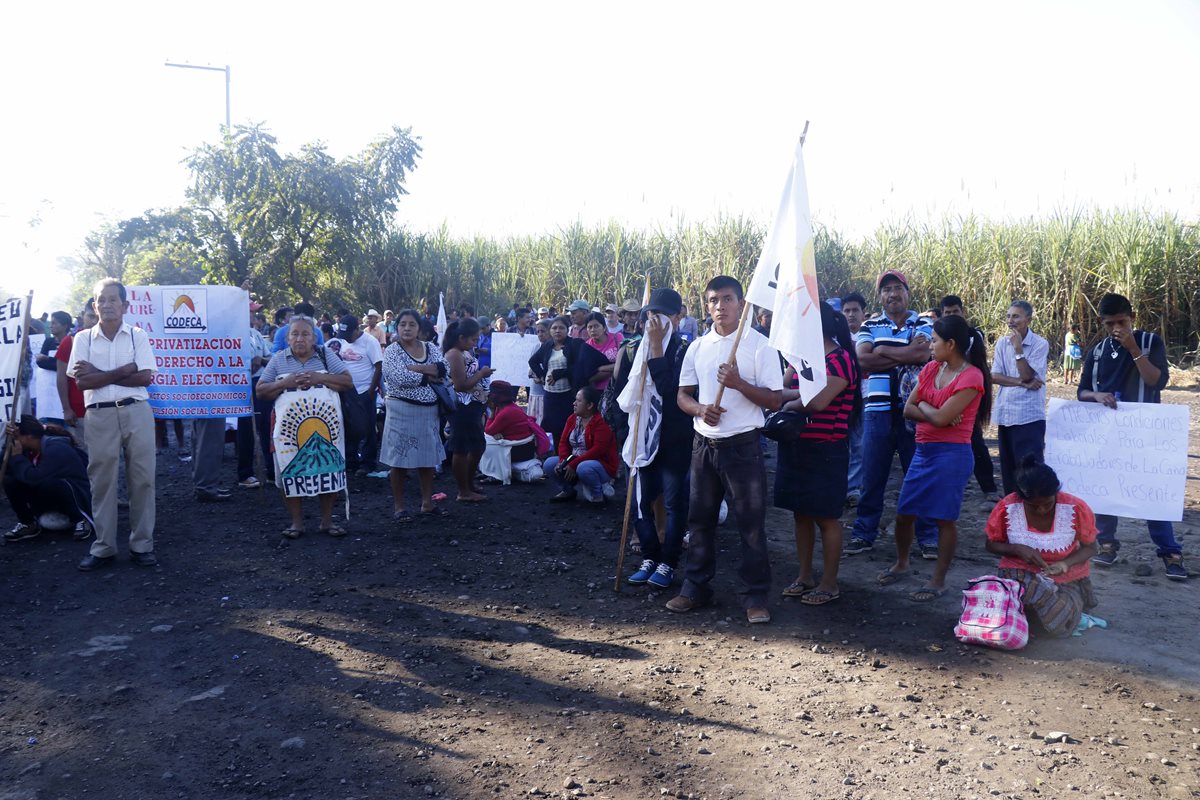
1045, 538
812, 475
509, 420
587, 451
952, 390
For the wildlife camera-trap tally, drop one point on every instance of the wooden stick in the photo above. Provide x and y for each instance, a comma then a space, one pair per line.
16, 404
733, 353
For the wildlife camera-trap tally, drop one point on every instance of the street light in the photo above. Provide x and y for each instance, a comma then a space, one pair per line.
225, 69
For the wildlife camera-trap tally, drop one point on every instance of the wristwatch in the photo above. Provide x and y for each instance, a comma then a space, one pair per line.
1019, 356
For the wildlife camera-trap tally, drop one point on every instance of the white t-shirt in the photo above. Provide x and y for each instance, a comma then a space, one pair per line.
360, 358
758, 364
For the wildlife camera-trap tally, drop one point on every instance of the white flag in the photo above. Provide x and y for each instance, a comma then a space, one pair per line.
440, 327
785, 281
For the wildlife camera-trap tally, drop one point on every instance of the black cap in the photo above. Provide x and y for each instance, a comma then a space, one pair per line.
665, 301
347, 323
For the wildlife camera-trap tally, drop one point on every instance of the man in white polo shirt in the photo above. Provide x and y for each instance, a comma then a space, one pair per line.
363, 357
727, 462
1019, 369
113, 364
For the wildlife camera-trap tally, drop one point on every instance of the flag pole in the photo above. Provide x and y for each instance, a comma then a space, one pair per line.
636, 430
746, 312
16, 397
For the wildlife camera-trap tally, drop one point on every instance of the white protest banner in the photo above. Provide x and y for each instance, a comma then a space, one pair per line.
510, 356
199, 336
785, 281
12, 345
1128, 462
310, 444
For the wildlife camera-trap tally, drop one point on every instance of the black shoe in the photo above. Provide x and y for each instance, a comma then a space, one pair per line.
146, 559
219, 496
91, 562
22, 532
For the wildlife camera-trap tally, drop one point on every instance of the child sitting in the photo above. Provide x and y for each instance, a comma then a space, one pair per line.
1044, 538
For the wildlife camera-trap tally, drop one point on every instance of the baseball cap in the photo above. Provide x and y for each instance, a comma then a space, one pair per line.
665, 301
373, 313
347, 323
543, 310
255, 306
834, 302
579, 305
893, 275
611, 307
631, 305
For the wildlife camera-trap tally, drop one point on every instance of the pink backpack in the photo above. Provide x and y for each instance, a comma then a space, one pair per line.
992, 614
541, 439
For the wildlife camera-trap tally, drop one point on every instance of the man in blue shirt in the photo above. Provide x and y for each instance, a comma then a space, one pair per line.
892, 347
302, 310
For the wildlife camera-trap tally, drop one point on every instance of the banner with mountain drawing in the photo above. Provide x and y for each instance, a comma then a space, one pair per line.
310, 448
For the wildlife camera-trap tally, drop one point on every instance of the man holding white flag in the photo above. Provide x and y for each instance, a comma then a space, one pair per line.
662, 440
785, 281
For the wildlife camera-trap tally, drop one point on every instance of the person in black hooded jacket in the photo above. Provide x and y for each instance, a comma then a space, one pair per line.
46, 473
566, 365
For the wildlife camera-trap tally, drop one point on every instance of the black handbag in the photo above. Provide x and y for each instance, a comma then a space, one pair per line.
784, 426
447, 399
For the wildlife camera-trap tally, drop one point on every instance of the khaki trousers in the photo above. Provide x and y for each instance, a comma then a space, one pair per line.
109, 433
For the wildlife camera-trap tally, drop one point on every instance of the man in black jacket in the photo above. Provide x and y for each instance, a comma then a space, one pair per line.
667, 474
46, 474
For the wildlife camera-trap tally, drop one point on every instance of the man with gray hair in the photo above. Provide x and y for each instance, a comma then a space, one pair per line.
1019, 370
113, 363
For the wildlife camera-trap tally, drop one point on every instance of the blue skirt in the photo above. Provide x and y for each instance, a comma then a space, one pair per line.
936, 479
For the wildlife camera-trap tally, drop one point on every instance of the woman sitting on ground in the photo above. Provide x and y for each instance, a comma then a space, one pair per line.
412, 428
509, 422
1045, 538
466, 424
587, 451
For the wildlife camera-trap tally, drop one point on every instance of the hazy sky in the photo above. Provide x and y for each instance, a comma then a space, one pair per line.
535, 114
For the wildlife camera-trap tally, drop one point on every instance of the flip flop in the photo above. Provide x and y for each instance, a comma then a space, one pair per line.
436, 511
402, 517
932, 594
819, 597
887, 577
334, 531
291, 532
797, 588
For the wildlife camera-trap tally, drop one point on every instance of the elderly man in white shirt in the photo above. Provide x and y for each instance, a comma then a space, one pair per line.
1019, 369
113, 363
727, 462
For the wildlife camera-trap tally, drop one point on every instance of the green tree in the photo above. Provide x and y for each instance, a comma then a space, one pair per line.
295, 225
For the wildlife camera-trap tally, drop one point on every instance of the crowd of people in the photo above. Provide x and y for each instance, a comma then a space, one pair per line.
899, 383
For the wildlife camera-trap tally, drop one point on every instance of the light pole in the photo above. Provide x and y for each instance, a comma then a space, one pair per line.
225, 69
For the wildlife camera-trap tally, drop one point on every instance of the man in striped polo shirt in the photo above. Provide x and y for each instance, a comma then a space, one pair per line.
892, 347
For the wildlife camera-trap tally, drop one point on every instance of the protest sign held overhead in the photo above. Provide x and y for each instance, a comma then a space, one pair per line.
1130, 461
200, 346
785, 281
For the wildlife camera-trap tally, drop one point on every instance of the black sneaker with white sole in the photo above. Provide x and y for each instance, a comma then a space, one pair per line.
857, 545
21, 532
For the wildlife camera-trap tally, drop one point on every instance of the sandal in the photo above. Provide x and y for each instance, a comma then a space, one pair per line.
797, 588
402, 517
436, 511
334, 531
819, 597
926, 594
291, 532
887, 577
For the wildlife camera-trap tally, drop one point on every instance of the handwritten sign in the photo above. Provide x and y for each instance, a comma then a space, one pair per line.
510, 357
1131, 462
12, 339
200, 348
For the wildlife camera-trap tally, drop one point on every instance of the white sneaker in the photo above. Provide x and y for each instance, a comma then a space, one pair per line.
250, 483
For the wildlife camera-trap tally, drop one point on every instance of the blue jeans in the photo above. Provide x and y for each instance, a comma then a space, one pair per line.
884, 435
591, 474
854, 482
1161, 533
667, 475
